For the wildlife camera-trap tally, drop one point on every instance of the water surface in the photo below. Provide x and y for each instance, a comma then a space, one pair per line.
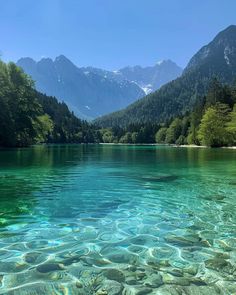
112, 219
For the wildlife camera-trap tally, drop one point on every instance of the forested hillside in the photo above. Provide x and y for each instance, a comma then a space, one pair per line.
212, 123
217, 59
28, 117
197, 108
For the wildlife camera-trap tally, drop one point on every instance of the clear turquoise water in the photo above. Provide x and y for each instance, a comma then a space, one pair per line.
70, 215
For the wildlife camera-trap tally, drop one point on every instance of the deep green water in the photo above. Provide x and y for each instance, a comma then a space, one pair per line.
107, 219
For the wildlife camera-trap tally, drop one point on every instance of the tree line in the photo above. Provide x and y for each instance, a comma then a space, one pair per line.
212, 123
28, 117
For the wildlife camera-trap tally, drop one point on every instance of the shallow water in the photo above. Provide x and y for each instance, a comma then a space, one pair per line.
111, 219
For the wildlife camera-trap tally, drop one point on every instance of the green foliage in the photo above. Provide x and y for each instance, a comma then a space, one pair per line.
44, 126
181, 140
179, 96
174, 131
67, 127
212, 122
108, 136
28, 117
134, 137
127, 138
212, 131
218, 93
171, 100
161, 135
174, 99
20, 110
231, 126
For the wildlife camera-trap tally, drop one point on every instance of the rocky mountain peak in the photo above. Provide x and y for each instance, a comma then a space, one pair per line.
222, 49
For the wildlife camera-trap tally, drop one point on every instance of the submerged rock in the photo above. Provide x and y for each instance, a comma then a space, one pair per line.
169, 279
32, 257
12, 267
214, 198
1, 279
132, 268
170, 290
224, 245
131, 280
216, 263
136, 248
162, 252
71, 260
153, 280
136, 290
188, 290
158, 264
176, 272
198, 281
220, 264
78, 284
187, 241
143, 240
222, 255
191, 269
101, 262
123, 257
115, 275
102, 292
49, 267
96, 260
141, 275
110, 287
181, 240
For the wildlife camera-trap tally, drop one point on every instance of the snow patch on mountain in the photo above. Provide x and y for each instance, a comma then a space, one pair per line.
160, 62
227, 52
147, 89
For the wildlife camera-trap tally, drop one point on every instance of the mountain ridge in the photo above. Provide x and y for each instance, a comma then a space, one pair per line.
88, 96
179, 96
151, 78
92, 92
148, 78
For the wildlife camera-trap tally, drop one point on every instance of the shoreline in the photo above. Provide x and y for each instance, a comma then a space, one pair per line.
204, 146
128, 144
169, 145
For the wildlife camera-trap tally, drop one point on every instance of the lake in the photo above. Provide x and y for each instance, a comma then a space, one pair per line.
117, 219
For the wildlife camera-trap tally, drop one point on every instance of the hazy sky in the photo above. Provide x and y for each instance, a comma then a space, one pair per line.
111, 33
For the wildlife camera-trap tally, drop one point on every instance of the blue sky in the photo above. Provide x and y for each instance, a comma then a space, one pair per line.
111, 33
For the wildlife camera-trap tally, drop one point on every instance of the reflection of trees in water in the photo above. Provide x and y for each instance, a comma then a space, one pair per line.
208, 160
55, 181
24, 171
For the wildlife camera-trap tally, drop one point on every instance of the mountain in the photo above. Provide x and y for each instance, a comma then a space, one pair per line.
221, 52
91, 92
87, 93
217, 59
153, 77
148, 78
